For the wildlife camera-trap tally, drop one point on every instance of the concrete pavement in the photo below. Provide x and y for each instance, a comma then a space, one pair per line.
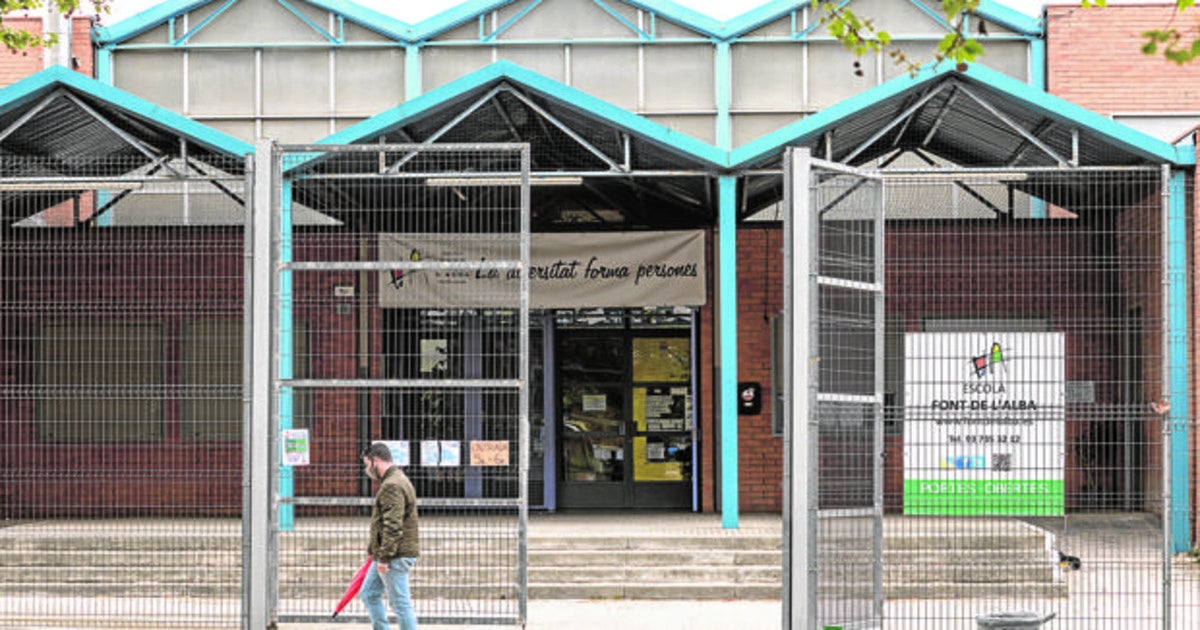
622, 615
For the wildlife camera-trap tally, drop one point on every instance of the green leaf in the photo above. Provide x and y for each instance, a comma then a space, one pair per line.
947, 42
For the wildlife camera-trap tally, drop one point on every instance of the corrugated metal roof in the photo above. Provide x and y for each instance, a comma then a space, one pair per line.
59, 125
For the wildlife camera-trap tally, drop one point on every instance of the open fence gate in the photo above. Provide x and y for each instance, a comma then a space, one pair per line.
993, 446
833, 306
399, 312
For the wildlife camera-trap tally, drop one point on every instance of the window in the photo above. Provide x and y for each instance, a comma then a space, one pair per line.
212, 399
778, 386
103, 382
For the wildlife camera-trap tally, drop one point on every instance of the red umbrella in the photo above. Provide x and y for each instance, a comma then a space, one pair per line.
355, 585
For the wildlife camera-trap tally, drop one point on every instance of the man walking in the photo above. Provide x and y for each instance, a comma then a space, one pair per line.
394, 543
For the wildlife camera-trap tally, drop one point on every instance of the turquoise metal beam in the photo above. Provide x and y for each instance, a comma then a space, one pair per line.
104, 69
643, 35
287, 521
1037, 63
412, 72
313, 25
1177, 333
511, 21
392, 28
728, 319
205, 22
937, 16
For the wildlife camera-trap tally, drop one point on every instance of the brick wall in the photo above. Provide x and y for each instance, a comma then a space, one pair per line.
145, 275
1094, 59
16, 65
760, 295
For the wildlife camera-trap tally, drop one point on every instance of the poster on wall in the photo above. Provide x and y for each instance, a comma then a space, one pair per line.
662, 408
984, 423
399, 449
295, 447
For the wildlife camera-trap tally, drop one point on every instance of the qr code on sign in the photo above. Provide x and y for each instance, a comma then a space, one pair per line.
1002, 461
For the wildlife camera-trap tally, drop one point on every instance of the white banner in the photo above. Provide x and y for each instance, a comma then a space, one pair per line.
984, 423
568, 270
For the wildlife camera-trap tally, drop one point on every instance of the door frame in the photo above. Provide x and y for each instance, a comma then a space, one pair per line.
626, 493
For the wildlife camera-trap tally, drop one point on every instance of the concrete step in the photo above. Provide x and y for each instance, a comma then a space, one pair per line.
652, 575
658, 543
591, 557
660, 590
922, 559
970, 590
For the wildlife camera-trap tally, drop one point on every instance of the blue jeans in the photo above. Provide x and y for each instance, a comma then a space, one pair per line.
396, 584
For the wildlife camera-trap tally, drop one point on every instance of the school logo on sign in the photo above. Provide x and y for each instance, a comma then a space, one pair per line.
988, 362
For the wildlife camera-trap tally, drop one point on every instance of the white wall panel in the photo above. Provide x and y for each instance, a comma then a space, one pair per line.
157, 35
353, 33
266, 22
1011, 58
443, 65
547, 60
680, 77
295, 82
664, 29
768, 76
220, 82
831, 76
155, 75
606, 72
368, 80
747, 127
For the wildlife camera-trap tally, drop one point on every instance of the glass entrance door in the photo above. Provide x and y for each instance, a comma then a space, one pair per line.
625, 396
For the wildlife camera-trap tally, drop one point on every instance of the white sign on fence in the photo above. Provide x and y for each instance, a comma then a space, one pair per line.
984, 423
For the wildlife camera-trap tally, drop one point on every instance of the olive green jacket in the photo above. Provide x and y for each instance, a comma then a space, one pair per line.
394, 519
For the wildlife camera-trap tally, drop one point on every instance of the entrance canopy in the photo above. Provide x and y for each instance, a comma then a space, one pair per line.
975, 118
592, 163
63, 134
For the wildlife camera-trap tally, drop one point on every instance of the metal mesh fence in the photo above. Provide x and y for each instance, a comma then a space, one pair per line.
1027, 460
121, 393
403, 318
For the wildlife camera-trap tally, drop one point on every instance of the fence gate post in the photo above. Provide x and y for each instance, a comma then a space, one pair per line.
256, 528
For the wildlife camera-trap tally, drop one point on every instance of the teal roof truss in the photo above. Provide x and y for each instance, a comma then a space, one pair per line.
63, 133
475, 10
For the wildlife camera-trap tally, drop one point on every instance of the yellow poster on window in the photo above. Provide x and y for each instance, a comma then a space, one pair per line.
662, 359
654, 461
